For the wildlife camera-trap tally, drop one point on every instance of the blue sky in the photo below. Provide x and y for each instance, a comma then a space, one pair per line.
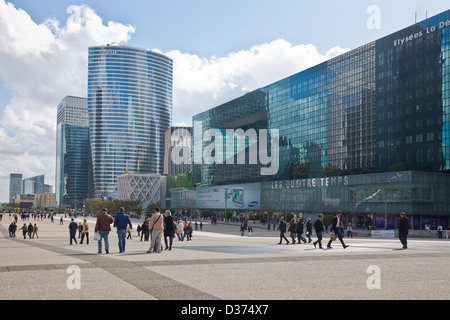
212, 27
221, 49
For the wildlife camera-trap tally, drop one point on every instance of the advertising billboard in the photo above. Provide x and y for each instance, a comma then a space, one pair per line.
246, 197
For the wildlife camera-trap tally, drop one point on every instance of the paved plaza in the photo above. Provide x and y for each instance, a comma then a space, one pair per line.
218, 264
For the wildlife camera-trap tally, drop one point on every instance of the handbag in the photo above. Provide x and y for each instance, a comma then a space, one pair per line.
97, 236
333, 236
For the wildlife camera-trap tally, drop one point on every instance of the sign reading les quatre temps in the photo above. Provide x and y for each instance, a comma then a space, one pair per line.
311, 183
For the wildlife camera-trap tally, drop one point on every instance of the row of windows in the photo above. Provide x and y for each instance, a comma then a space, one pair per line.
108, 81
131, 53
134, 66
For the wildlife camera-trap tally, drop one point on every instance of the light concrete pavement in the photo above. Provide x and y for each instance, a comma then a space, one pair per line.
219, 264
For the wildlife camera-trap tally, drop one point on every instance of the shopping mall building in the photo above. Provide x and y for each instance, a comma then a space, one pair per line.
367, 133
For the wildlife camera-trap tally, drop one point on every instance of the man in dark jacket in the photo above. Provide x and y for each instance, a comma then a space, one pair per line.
282, 228
403, 227
300, 236
103, 227
73, 227
335, 227
121, 222
292, 229
318, 227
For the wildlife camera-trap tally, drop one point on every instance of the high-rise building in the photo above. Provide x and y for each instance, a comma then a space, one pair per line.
382, 107
34, 185
130, 109
15, 185
73, 178
177, 157
367, 133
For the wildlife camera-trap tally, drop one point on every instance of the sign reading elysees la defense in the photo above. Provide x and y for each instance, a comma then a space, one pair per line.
412, 36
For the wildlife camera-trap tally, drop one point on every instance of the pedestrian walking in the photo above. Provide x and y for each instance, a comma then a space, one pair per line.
308, 226
319, 228
121, 221
30, 230
188, 231
440, 230
103, 227
299, 231
24, 230
242, 229
282, 229
138, 229
335, 227
73, 227
201, 226
85, 232
349, 231
145, 230
129, 234
35, 230
80, 230
292, 229
180, 230
403, 227
12, 229
250, 230
169, 230
156, 225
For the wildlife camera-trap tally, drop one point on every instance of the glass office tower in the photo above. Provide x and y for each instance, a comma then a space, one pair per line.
15, 185
73, 178
130, 109
382, 107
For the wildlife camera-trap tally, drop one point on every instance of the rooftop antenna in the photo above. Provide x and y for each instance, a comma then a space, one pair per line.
415, 17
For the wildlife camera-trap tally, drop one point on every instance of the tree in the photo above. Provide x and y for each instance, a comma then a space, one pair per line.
399, 166
331, 170
301, 170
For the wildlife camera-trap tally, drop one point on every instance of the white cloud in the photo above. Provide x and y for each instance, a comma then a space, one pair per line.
42, 63
200, 83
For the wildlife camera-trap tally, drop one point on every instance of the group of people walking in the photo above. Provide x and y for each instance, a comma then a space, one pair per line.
296, 231
158, 226
30, 230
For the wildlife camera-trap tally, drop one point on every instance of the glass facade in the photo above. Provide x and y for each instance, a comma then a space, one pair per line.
130, 109
73, 162
381, 107
15, 185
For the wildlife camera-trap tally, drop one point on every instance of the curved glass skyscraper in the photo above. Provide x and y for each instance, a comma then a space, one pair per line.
130, 109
